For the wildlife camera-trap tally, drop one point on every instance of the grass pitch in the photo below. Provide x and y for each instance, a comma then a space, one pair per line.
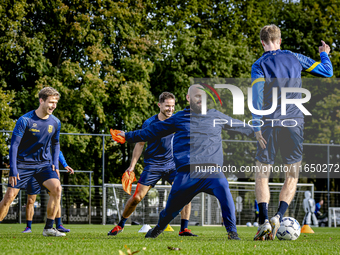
93, 239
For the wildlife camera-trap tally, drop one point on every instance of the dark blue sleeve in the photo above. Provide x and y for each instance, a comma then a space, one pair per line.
323, 68
257, 83
13, 153
20, 127
56, 147
155, 130
62, 159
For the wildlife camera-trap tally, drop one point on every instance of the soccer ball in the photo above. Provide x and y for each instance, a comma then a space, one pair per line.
256, 224
249, 224
289, 229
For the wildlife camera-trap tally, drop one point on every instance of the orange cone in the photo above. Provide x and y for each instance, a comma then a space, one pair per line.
306, 229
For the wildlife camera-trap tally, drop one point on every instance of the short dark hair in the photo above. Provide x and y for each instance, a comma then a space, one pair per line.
48, 91
166, 95
270, 33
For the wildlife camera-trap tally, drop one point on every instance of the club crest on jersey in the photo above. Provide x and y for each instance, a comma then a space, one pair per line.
34, 125
50, 128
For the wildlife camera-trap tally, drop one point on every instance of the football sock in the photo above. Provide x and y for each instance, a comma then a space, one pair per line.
29, 224
263, 208
122, 222
57, 222
49, 224
283, 206
184, 224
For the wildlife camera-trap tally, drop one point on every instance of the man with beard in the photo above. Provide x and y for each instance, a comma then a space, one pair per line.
197, 145
159, 164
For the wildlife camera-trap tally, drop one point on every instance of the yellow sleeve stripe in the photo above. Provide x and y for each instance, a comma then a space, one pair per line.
313, 66
257, 80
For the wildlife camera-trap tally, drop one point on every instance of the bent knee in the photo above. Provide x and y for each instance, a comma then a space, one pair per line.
136, 199
56, 191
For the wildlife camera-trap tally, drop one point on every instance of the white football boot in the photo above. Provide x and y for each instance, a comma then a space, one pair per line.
263, 231
52, 232
275, 224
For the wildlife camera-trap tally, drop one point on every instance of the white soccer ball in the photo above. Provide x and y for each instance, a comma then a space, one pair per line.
256, 224
289, 229
248, 224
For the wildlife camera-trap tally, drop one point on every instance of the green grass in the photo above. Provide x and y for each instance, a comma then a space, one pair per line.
93, 239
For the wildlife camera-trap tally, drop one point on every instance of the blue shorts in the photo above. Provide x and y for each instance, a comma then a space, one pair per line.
33, 187
288, 139
41, 175
151, 176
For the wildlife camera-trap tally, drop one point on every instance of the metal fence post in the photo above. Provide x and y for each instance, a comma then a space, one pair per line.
104, 205
203, 208
20, 205
328, 197
103, 182
90, 208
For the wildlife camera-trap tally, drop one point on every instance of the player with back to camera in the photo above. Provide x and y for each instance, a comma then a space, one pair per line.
33, 188
159, 164
30, 156
197, 143
279, 69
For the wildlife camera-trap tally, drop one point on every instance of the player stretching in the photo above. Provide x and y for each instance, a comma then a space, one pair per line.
159, 164
278, 69
33, 189
34, 134
197, 143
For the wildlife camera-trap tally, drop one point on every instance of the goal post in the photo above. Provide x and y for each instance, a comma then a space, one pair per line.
205, 209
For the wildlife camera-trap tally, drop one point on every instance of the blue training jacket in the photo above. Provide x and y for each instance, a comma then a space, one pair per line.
158, 153
196, 140
32, 141
282, 68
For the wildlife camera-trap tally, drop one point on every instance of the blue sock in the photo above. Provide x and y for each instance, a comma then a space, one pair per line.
283, 206
184, 224
49, 224
29, 224
263, 208
57, 222
122, 222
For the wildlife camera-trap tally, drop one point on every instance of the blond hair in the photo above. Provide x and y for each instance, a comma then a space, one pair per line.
270, 33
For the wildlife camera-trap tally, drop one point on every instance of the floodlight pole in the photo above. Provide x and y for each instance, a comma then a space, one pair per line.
103, 182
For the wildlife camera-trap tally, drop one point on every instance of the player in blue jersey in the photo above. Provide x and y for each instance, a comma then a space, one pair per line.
274, 70
34, 149
197, 144
33, 189
159, 164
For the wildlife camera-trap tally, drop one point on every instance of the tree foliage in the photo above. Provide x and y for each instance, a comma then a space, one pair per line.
111, 59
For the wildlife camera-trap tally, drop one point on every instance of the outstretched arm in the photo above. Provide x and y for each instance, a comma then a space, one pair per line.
137, 151
323, 68
155, 130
